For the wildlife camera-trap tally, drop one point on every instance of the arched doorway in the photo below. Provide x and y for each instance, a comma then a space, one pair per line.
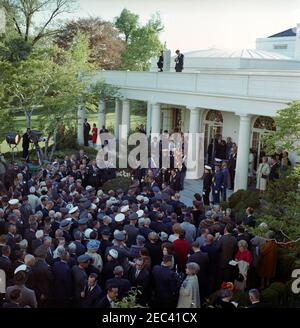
213, 126
262, 125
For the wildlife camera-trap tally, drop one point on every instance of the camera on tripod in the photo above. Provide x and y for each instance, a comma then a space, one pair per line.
36, 136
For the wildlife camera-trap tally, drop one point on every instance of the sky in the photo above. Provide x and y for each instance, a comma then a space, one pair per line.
200, 24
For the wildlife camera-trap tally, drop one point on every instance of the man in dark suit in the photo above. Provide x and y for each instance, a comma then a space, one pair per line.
139, 277
249, 220
160, 63
42, 277
165, 282
92, 292
256, 303
175, 180
228, 248
86, 132
131, 229
62, 281
108, 300
5, 262
232, 166
25, 143
202, 260
274, 171
120, 282
179, 61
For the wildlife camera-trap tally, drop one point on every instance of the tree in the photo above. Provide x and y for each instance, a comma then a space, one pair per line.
22, 14
127, 23
287, 134
105, 45
142, 43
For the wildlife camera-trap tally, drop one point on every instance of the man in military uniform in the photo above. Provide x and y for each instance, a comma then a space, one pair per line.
207, 182
217, 183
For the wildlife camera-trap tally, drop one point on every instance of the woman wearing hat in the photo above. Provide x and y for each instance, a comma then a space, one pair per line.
92, 249
189, 296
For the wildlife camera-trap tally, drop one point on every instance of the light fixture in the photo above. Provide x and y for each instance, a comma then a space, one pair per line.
13, 139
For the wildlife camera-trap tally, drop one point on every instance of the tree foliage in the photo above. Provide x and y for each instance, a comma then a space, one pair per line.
105, 44
22, 17
287, 135
142, 42
127, 23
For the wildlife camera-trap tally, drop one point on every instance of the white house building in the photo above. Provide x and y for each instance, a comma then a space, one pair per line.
233, 93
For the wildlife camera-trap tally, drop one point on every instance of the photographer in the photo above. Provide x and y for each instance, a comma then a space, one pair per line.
25, 143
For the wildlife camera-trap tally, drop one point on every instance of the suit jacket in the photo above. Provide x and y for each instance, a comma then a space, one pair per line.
42, 279
92, 297
165, 281
27, 298
6, 266
122, 284
274, 173
103, 303
132, 232
79, 281
228, 246
179, 62
62, 280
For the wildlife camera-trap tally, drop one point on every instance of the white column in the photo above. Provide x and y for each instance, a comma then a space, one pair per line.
101, 119
193, 154
81, 115
118, 117
126, 113
148, 126
155, 118
297, 43
241, 172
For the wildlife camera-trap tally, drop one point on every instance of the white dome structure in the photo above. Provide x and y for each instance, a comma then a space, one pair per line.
220, 59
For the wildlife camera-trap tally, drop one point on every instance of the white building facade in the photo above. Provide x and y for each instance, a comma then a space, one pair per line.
234, 94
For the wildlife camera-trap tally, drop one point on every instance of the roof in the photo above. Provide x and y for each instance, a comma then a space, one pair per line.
244, 53
289, 32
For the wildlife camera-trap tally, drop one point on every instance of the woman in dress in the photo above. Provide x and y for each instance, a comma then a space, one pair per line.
189, 296
94, 134
262, 175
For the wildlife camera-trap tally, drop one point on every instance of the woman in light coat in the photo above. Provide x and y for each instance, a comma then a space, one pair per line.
189, 296
262, 175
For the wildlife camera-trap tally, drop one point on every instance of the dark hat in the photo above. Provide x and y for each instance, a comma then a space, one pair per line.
100, 216
87, 204
83, 258
83, 220
120, 236
106, 232
64, 210
64, 223
133, 216
83, 200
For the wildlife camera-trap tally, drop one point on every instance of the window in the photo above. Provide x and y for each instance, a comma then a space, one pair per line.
265, 123
214, 116
280, 46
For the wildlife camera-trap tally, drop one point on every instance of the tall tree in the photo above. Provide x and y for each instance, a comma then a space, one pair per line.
22, 14
142, 42
287, 134
127, 23
106, 47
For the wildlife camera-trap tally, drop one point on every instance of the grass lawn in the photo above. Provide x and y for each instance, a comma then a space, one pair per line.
92, 118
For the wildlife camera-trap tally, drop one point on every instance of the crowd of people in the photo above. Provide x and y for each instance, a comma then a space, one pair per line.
64, 242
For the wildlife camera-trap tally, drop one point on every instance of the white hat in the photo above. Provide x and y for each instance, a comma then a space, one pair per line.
13, 202
113, 253
22, 267
39, 234
93, 206
87, 233
146, 200
140, 213
96, 201
32, 190
120, 217
139, 198
100, 193
42, 184
88, 188
73, 210
207, 167
124, 209
63, 179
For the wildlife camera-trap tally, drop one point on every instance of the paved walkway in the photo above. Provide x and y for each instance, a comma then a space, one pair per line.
190, 188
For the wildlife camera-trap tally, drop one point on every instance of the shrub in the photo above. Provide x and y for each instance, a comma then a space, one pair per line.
116, 183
